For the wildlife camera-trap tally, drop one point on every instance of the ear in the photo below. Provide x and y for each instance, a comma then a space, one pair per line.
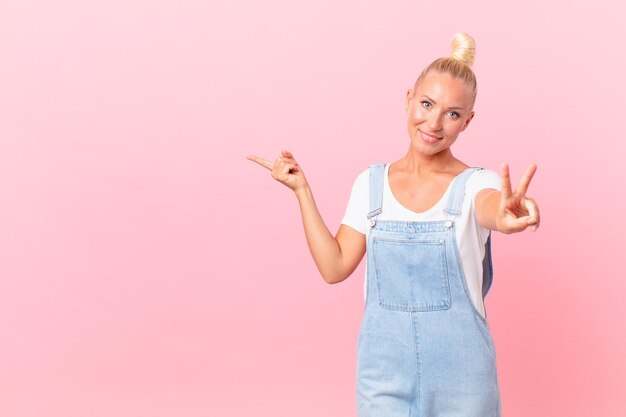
469, 119
409, 95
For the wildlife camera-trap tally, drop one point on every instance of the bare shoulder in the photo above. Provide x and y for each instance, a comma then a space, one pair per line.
458, 167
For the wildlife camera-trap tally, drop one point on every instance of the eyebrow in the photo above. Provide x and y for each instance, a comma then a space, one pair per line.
449, 108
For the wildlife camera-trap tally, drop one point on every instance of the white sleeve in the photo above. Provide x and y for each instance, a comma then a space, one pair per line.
480, 180
358, 205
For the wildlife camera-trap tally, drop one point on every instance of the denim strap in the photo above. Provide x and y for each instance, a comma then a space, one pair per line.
455, 203
376, 174
457, 194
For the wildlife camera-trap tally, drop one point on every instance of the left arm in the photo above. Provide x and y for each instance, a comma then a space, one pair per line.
507, 211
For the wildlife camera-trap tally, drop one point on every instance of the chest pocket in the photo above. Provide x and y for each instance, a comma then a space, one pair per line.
411, 274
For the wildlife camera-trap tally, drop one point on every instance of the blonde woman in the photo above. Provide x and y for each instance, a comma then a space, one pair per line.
425, 220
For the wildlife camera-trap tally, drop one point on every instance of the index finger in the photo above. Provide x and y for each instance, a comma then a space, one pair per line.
505, 181
525, 181
263, 162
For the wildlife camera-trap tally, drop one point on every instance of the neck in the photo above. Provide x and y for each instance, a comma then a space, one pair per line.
422, 164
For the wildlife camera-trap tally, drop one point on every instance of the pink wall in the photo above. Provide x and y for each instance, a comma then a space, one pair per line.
148, 269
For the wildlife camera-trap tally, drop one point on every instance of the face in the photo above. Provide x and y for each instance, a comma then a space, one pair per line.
439, 110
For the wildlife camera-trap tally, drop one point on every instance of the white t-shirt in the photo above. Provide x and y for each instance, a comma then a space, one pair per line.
470, 235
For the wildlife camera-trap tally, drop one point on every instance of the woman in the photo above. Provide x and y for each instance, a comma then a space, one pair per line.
424, 346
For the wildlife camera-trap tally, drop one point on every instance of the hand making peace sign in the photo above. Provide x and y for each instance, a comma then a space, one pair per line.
516, 211
285, 170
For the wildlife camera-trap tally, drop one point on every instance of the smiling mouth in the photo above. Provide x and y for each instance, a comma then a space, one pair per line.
429, 138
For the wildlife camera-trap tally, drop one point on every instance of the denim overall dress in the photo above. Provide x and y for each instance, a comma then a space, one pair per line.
423, 349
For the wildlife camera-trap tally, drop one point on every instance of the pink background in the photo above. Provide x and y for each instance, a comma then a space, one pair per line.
148, 269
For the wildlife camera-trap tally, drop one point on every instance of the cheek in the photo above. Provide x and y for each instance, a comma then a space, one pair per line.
417, 115
453, 128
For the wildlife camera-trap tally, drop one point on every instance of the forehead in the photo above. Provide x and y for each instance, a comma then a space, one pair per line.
444, 89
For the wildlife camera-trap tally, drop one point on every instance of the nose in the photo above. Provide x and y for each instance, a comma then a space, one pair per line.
434, 123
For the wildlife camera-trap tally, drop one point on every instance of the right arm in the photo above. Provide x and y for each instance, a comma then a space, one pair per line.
335, 257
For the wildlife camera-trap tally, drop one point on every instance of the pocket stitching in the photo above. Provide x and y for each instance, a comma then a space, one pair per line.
445, 301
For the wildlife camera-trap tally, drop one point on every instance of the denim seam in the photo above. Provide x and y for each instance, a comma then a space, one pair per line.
418, 365
445, 277
400, 241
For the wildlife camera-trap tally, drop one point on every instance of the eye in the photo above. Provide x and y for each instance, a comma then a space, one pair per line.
454, 115
426, 104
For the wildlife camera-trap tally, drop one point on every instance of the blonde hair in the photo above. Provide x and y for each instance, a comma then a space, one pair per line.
458, 64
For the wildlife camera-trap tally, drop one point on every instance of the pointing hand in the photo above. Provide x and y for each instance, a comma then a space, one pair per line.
285, 169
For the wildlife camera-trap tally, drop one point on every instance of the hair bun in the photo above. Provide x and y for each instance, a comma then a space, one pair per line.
463, 48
